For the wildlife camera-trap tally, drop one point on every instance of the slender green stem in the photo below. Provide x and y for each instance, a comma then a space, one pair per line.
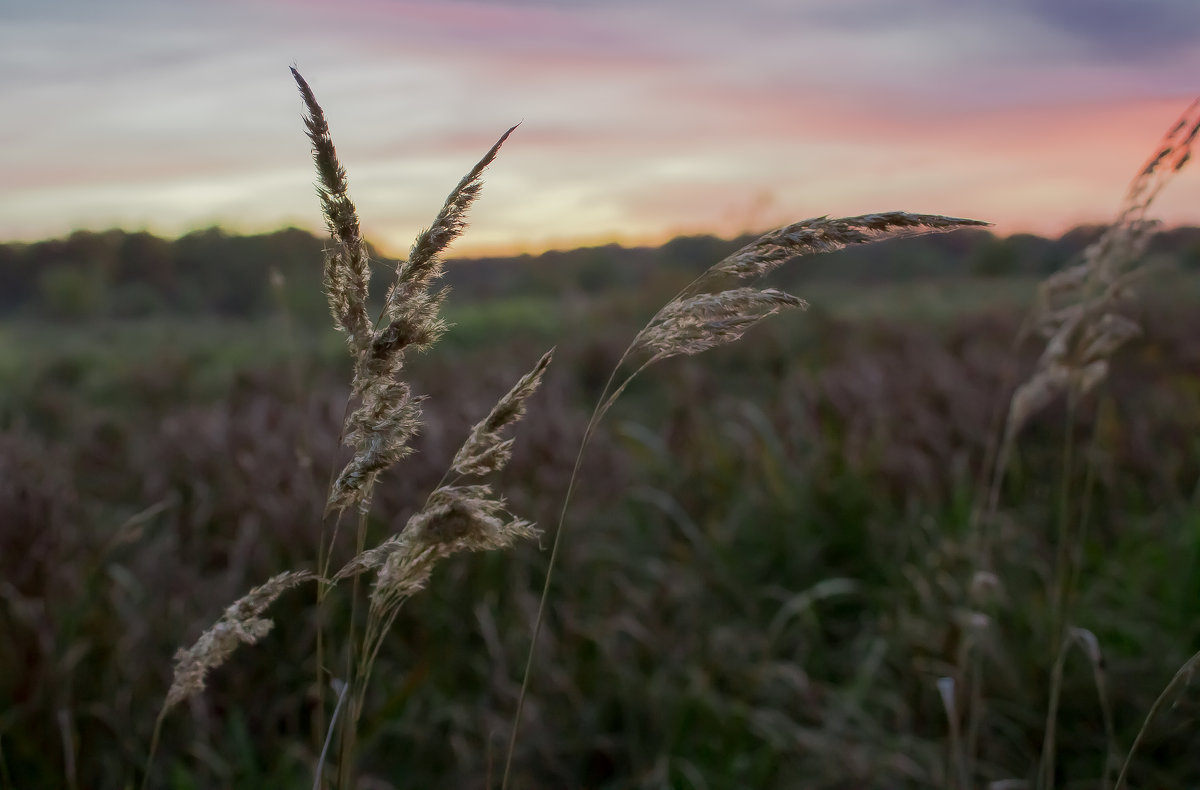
1062, 579
354, 655
1182, 676
603, 403
319, 773
324, 558
537, 625
995, 465
993, 470
158, 723
1085, 514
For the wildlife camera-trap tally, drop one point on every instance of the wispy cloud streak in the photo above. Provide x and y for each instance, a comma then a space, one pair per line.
639, 119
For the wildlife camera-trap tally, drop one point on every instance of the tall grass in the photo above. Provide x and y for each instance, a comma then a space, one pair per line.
383, 414
1082, 315
851, 638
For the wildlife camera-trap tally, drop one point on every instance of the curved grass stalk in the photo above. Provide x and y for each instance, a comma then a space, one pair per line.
701, 317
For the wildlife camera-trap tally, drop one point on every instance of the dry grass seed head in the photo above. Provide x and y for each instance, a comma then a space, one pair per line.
823, 234
411, 311
484, 451
388, 415
454, 519
347, 269
423, 264
380, 430
371, 558
1075, 360
241, 622
693, 324
1075, 307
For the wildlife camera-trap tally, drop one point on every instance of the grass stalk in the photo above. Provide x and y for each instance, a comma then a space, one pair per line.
1182, 677
1061, 592
319, 773
708, 313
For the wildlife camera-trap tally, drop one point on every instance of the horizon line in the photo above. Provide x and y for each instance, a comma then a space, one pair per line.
471, 252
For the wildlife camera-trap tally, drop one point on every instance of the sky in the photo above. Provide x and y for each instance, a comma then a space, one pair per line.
639, 120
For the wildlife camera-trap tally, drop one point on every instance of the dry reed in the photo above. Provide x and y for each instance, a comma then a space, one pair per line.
1077, 313
455, 517
706, 315
1076, 309
460, 517
242, 623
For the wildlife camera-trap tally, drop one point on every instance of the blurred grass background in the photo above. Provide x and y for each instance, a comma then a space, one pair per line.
767, 571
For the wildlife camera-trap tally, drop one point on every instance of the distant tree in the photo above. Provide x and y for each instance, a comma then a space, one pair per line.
17, 287
995, 257
1189, 258
694, 253
210, 272
149, 261
71, 292
219, 274
136, 300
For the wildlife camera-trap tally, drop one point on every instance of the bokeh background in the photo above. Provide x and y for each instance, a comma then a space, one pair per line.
771, 558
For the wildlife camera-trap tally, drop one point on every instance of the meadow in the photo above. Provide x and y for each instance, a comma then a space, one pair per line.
774, 575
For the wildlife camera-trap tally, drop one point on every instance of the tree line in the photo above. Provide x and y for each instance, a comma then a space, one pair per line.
119, 274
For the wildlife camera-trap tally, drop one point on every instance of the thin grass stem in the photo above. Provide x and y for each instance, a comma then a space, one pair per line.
320, 770
1182, 676
1062, 574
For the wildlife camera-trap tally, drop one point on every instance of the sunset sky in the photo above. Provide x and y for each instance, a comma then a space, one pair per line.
639, 120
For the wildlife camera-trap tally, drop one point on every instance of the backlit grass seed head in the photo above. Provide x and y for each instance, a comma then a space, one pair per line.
242, 622
410, 311
485, 451
423, 264
1076, 308
380, 430
388, 415
693, 324
454, 519
347, 269
415, 325
828, 235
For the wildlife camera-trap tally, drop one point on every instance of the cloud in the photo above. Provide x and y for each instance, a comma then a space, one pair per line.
1130, 31
638, 117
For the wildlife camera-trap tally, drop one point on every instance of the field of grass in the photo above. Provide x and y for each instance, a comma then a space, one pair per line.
783, 568
768, 573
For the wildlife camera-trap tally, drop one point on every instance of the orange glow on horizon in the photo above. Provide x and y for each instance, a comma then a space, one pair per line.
735, 121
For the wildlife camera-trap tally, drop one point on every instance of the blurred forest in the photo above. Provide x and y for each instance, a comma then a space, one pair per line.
116, 274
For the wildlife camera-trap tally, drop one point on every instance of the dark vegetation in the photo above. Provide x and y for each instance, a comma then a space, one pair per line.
768, 572
116, 274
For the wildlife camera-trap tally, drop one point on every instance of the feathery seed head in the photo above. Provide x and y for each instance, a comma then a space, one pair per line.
1075, 307
454, 519
823, 234
347, 270
484, 450
379, 430
693, 324
241, 622
423, 264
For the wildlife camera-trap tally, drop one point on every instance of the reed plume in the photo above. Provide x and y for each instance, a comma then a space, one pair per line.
455, 517
347, 267
707, 314
389, 414
1076, 309
242, 623
823, 234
